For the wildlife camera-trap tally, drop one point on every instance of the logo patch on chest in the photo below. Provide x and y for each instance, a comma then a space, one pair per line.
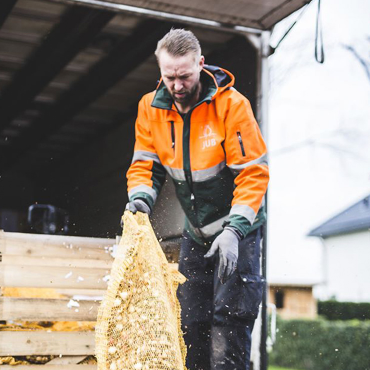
208, 137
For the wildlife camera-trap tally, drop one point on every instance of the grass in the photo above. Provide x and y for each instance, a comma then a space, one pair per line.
279, 368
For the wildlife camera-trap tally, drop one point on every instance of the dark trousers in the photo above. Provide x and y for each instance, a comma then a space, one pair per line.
217, 319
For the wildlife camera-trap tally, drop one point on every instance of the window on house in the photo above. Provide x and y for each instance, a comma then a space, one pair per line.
279, 299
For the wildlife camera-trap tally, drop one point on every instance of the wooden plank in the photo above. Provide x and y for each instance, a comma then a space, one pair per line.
54, 246
53, 277
23, 343
66, 360
10, 260
82, 292
41, 309
56, 252
50, 250
49, 240
49, 367
85, 294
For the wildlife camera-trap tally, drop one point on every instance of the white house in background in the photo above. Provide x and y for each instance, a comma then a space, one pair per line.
346, 254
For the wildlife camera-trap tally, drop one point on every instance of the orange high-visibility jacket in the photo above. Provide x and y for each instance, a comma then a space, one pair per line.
215, 155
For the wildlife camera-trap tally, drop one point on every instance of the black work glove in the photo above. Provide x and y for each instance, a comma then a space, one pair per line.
138, 205
227, 244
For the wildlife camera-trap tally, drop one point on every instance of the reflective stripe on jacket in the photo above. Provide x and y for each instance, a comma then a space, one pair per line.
215, 156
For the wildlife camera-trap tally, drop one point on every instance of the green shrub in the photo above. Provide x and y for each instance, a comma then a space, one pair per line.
334, 310
279, 368
322, 345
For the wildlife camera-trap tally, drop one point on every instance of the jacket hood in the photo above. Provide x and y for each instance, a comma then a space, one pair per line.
222, 78
218, 80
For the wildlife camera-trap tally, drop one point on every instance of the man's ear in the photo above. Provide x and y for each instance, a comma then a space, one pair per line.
201, 62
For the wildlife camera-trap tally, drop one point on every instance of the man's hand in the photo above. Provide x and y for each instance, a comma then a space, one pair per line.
227, 245
138, 205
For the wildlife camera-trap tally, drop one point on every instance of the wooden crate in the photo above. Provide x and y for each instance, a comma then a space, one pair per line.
72, 266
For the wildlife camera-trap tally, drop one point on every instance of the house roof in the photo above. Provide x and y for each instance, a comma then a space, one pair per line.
354, 218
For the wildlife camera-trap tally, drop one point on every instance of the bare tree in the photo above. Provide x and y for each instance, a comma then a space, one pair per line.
365, 62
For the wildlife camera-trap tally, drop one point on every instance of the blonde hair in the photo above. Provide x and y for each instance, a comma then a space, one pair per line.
178, 42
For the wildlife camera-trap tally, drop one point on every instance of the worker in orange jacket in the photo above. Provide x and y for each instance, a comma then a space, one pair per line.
199, 130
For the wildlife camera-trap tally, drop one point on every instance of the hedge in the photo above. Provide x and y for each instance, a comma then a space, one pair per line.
334, 310
322, 345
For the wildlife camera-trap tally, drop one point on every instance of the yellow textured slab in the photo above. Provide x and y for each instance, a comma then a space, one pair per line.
138, 324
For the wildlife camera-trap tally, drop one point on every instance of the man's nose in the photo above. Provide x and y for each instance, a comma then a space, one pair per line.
178, 86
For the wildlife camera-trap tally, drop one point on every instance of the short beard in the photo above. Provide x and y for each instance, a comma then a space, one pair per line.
188, 96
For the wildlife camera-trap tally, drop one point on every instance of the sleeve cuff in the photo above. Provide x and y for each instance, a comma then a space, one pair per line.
234, 231
241, 224
145, 197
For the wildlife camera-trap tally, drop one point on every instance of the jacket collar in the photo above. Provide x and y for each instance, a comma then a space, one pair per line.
163, 99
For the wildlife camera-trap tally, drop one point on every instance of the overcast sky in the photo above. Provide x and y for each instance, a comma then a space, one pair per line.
319, 132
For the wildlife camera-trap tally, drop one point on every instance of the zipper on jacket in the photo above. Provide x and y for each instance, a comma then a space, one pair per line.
186, 160
241, 142
187, 166
173, 135
186, 151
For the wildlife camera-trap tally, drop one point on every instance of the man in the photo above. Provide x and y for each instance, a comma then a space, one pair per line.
197, 128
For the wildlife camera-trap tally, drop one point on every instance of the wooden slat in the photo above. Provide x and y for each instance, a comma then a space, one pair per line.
52, 277
55, 246
23, 343
48, 240
49, 367
66, 360
83, 292
55, 252
9, 260
41, 309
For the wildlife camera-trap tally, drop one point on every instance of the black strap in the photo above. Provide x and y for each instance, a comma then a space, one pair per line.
319, 56
293, 24
319, 50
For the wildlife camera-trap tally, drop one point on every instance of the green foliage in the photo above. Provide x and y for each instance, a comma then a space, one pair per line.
334, 310
322, 345
279, 368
